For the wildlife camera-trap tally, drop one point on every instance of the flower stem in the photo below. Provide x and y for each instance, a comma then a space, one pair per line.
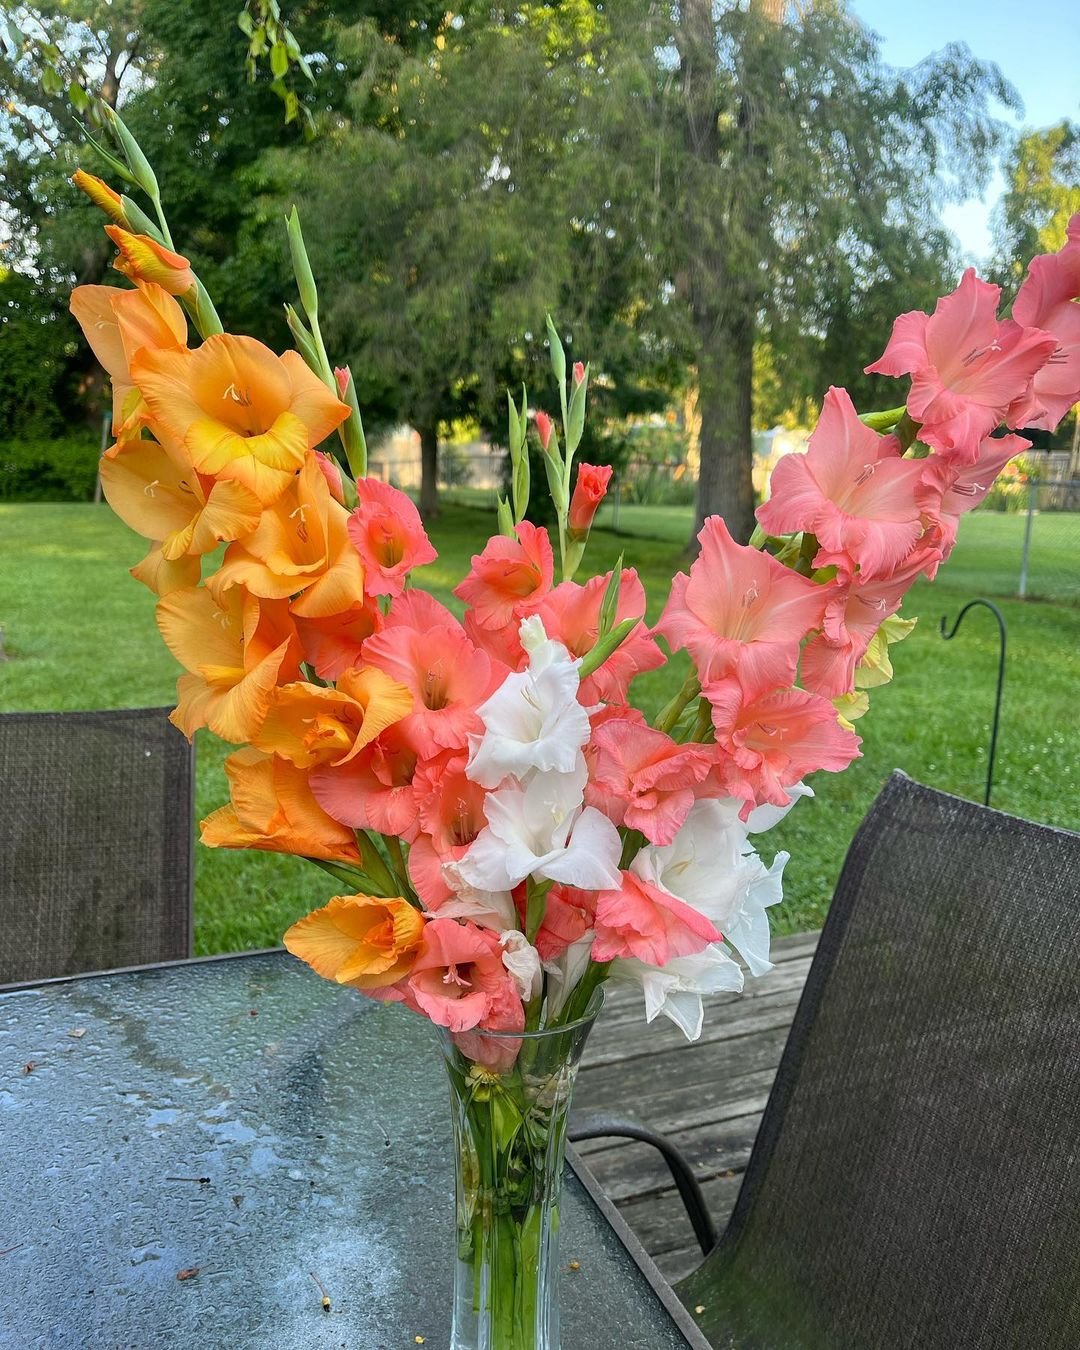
671, 713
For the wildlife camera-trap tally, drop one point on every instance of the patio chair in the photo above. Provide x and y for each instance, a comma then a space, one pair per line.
96, 858
915, 1178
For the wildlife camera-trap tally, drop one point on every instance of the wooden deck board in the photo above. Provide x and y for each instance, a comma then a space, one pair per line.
707, 1097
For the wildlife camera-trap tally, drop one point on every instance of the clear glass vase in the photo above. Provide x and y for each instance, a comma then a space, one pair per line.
510, 1095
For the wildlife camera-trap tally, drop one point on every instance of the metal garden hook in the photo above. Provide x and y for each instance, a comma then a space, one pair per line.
987, 604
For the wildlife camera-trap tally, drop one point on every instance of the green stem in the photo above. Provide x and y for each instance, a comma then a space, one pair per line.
160, 212
671, 713
883, 421
397, 859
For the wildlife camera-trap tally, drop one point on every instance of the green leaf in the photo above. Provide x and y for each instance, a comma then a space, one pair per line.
292, 106
610, 603
78, 97
506, 520
244, 23
558, 356
51, 81
279, 60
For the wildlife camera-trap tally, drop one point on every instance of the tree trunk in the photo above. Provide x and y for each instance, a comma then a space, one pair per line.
429, 470
725, 402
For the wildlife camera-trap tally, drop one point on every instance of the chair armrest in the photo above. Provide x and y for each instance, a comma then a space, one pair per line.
599, 1125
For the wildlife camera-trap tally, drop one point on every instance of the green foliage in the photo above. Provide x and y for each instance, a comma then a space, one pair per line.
1042, 193
60, 469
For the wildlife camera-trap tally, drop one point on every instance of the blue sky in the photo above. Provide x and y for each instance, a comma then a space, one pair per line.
1035, 42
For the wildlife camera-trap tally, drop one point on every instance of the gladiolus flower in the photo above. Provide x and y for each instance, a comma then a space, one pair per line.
242, 412
1047, 300
272, 809
949, 489
334, 643
117, 324
163, 575
510, 578
571, 614
387, 532
458, 979
374, 790
773, 740
360, 940
544, 427
568, 916
104, 197
676, 989
144, 259
170, 502
740, 610
851, 489
450, 810
641, 779
589, 492
308, 724
644, 921
235, 652
967, 368
300, 548
330, 470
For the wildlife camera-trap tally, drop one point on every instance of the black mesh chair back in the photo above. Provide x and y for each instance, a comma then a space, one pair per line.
916, 1178
96, 828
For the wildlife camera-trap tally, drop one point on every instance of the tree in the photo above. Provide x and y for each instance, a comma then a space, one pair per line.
1042, 193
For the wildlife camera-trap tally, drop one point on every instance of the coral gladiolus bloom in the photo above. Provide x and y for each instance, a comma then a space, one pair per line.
774, 740
508, 580
272, 809
645, 921
117, 324
571, 614
740, 610
104, 197
360, 940
589, 492
450, 808
447, 676
240, 411
967, 368
144, 259
949, 489
166, 501
851, 489
387, 532
300, 548
335, 643
458, 979
1047, 300
641, 779
235, 651
308, 724
374, 790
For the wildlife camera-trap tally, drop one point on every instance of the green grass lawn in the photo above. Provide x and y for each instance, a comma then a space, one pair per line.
79, 633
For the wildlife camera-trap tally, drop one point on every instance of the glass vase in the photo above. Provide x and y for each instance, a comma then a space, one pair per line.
510, 1095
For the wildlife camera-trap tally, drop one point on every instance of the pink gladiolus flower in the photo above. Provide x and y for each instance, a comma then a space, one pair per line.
458, 979
374, 791
568, 916
509, 578
968, 369
450, 810
335, 644
589, 491
740, 610
571, 613
578, 373
544, 427
949, 489
501, 644
641, 779
387, 532
851, 489
1047, 300
416, 609
447, 676
644, 921
772, 741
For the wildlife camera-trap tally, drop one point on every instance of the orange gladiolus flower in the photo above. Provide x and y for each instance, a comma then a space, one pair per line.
307, 724
301, 545
163, 576
242, 412
235, 653
272, 809
144, 259
163, 499
117, 323
104, 197
359, 940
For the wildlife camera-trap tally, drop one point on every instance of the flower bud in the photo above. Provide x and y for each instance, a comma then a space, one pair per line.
578, 373
544, 428
589, 492
144, 259
101, 194
341, 374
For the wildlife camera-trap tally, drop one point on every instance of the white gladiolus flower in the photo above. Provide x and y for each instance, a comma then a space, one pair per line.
565, 971
522, 960
486, 909
533, 721
541, 829
676, 989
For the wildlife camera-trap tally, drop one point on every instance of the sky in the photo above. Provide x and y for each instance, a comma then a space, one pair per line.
1036, 43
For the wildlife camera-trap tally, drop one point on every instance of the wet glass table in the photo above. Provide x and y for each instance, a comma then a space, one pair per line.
191, 1153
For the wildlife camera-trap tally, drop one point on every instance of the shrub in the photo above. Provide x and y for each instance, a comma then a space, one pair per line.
58, 469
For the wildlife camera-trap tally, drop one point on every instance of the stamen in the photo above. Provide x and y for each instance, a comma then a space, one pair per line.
148, 490
868, 471
750, 596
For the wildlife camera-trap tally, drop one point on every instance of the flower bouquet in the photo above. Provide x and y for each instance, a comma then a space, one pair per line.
509, 832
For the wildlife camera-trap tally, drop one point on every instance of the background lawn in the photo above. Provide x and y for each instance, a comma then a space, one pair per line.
79, 633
